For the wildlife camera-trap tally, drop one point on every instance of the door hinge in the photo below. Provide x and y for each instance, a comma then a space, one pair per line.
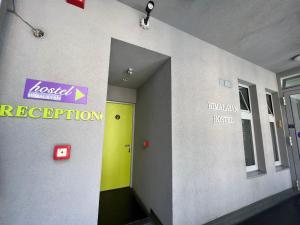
290, 141
283, 101
297, 185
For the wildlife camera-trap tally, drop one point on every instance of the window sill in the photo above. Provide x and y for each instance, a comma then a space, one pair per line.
281, 167
255, 173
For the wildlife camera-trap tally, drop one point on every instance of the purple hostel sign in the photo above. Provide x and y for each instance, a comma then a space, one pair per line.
44, 90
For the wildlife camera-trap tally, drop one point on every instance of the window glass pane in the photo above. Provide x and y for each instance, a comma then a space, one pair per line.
275, 147
248, 143
270, 104
244, 98
290, 82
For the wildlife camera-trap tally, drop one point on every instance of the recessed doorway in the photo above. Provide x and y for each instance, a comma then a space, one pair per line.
136, 181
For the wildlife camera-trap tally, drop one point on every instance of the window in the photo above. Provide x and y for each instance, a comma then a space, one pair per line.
273, 129
247, 126
290, 81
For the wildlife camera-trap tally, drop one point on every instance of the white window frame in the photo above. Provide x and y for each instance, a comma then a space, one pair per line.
272, 120
247, 115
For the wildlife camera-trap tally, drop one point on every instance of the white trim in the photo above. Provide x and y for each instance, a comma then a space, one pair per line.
252, 168
124, 103
272, 110
255, 166
272, 120
277, 163
247, 87
247, 115
243, 85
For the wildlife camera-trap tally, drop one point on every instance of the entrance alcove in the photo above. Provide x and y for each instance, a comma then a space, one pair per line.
141, 78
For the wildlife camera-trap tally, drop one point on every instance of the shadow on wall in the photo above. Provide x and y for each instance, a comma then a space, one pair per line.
152, 168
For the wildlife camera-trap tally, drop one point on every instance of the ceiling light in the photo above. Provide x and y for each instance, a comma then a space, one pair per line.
130, 71
150, 6
296, 58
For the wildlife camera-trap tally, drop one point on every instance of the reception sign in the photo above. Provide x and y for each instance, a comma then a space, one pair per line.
44, 90
22, 111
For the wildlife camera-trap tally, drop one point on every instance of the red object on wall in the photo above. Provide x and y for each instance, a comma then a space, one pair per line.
62, 152
146, 144
78, 3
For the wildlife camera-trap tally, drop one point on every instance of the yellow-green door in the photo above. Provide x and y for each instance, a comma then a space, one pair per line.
116, 158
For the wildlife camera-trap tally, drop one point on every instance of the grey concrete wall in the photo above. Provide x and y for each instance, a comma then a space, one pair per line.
152, 167
34, 189
209, 177
3, 8
120, 94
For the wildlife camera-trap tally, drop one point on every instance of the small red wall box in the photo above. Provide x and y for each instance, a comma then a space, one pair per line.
146, 144
78, 3
62, 152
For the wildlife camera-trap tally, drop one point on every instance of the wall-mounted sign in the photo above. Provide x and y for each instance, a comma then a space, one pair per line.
225, 83
62, 152
22, 111
44, 90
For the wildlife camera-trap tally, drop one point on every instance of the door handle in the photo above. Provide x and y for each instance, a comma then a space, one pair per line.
129, 147
290, 141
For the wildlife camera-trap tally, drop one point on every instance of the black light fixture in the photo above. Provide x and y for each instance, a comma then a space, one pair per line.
145, 21
296, 58
38, 33
128, 75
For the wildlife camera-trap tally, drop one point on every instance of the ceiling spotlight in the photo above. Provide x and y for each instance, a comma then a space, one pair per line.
145, 21
150, 6
130, 71
296, 58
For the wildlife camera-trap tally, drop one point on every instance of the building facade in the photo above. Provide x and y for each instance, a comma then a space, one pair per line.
215, 100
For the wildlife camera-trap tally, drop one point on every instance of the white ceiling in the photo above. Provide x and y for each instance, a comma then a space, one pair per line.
144, 63
265, 32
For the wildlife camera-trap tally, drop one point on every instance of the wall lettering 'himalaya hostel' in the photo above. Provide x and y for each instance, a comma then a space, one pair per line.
44, 90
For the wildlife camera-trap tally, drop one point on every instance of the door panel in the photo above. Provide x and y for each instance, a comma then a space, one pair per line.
295, 107
117, 147
293, 127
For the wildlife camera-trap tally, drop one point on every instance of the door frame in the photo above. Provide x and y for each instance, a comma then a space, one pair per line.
132, 141
286, 93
